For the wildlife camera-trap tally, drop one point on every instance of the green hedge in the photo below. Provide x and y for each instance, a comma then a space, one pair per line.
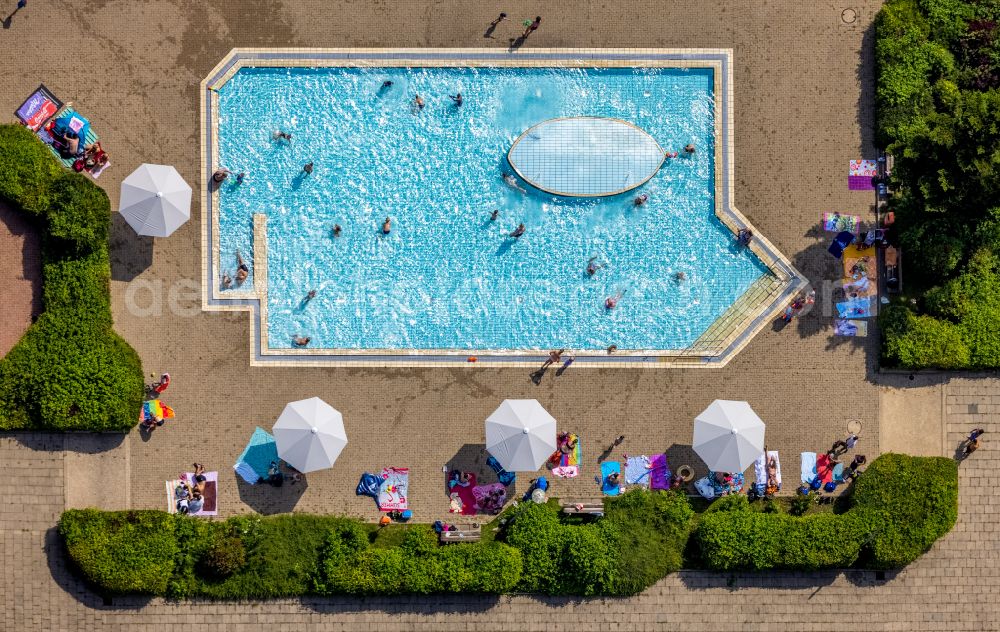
121, 551
639, 541
70, 371
745, 539
351, 565
912, 501
899, 506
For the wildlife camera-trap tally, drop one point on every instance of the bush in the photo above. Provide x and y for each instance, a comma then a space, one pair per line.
915, 342
639, 541
754, 540
121, 551
909, 503
225, 556
900, 505
351, 565
70, 371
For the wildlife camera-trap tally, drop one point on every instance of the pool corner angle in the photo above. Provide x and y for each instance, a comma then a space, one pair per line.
715, 347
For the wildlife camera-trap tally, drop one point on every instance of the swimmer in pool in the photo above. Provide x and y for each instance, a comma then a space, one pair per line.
300, 341
242, 270
337, 230
612, 301
517, 232
593, 266
680, 277
418, 103
457, 98
512, 182
240, 176
227, 281
385, 85
308, 168
689, 148
494, 215
386, 226
641, 199
310, 296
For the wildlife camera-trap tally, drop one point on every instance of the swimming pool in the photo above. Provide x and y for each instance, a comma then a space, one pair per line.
447, 278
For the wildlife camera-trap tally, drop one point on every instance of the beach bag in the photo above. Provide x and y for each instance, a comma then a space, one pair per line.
704, 487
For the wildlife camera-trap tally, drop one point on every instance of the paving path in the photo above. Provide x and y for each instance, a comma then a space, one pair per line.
952, 587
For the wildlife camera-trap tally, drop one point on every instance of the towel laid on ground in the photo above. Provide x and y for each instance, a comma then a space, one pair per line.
659, 472
466, 497
860, 174
855, 308
575, 457
393, 494
610, 467
568, 471
760, 471
824, 468
837, 222
721, 489
637, 470
486, 501
850, 328
211, 493
172, 495
808, 467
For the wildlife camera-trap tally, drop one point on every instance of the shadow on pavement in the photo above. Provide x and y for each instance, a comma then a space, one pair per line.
131, 254
266, 499
80, 442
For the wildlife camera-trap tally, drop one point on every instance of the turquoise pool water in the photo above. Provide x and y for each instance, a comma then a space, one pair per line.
446, 277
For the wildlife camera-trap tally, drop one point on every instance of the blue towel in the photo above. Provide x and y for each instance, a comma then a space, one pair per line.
259, 453
505, 477
637, 470
609, 467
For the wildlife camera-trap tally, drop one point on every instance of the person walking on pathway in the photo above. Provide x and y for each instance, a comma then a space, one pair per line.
531, 27
554, 356
842, 446
972, 443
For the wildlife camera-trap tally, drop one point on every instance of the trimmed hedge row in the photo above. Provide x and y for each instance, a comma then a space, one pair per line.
70, 371
899, 507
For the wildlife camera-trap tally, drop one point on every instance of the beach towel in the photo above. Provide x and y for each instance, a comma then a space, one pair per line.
155, 410
38, 108
574, 457
808, 467
860, 175
96, 172
609, 467
485, 502
859, 288
73, 120
659, 472
839, 243
836, 222
568, 471
824, 468
760, 471
466, 497
855, 328
855, 308
637, 470
393, 493
172, 495
721, 489
255, 460
211, 493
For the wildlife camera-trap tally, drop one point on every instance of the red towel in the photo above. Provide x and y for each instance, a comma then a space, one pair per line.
468, 498
824, 468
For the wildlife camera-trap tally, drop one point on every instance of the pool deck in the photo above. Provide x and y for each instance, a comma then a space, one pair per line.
803, 109
721, 341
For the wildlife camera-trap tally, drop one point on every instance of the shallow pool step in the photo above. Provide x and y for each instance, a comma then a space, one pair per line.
734, 320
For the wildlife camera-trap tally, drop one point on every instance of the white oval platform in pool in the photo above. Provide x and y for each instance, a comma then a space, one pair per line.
585, 156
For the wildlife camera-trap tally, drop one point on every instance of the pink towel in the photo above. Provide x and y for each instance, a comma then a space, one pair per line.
659, 475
